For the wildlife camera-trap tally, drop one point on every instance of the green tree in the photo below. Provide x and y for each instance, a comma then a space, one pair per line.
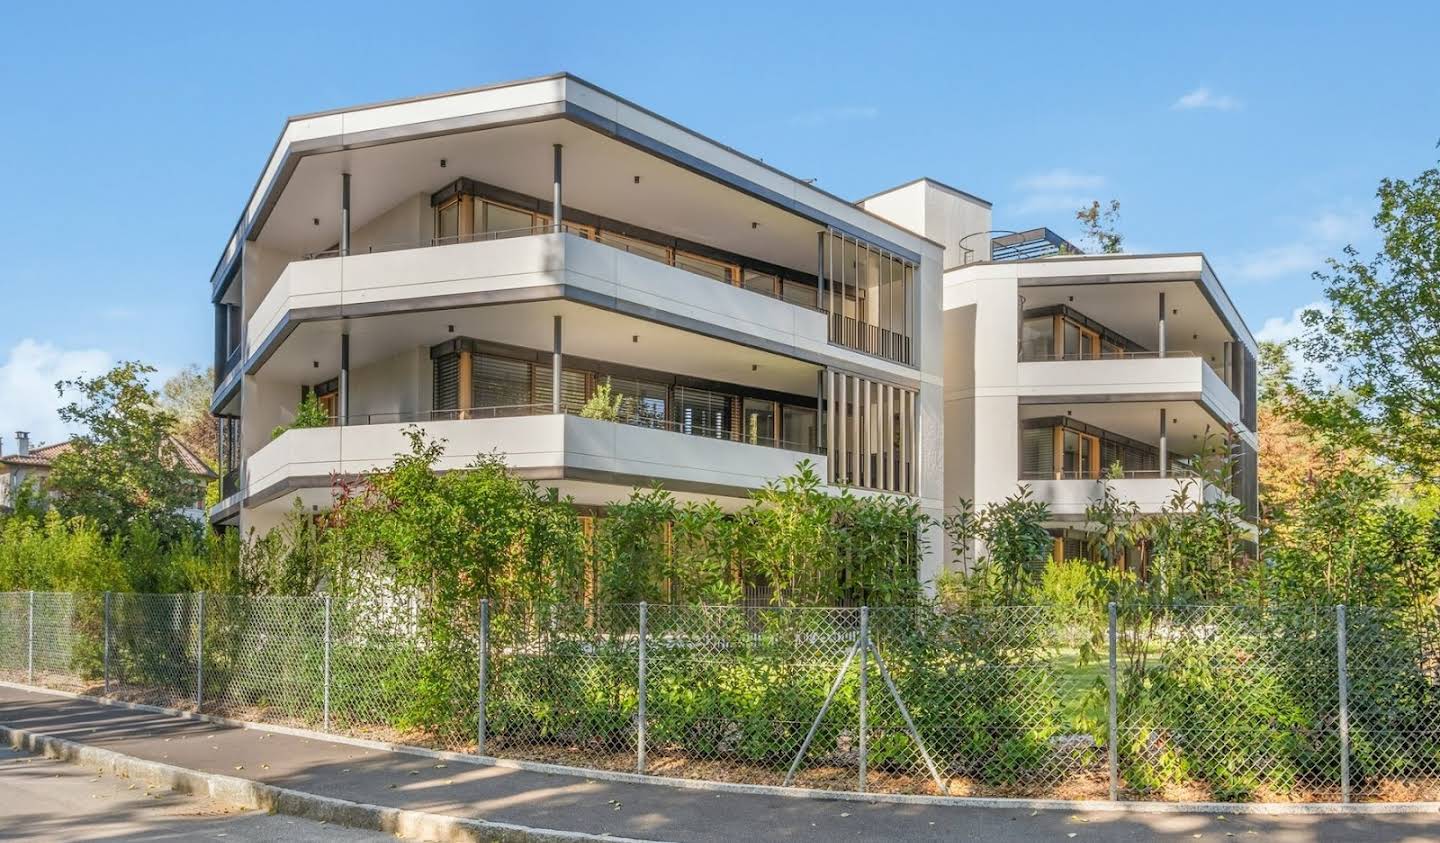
1379, 339
186, 396
122, 468
1102, 226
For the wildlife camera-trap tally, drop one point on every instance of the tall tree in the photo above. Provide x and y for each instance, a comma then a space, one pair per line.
1102, 226
122, 469
186, 395
1379, 341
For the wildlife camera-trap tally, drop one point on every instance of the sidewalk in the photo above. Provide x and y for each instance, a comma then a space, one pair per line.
638, 811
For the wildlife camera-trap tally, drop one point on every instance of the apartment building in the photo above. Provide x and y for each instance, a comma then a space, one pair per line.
1062, 368
481, 262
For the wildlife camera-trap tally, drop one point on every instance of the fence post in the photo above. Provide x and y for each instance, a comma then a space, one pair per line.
105, 621
484, 674
30, 644
1112, 712
200, 651
325, 702
864, 722
640, 701
1344, 683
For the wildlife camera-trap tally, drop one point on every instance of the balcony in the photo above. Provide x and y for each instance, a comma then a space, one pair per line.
1069, 495
533, 264
537, 443
1129, 376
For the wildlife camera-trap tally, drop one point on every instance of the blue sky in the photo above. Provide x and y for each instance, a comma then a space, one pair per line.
132, 133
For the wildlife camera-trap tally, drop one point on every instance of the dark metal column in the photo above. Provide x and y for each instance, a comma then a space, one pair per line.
1164, 445
344, 378
555, 360
344, 214
1161, 346
558, 199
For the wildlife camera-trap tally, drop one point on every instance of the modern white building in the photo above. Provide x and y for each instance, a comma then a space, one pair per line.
1062, 368
480, 262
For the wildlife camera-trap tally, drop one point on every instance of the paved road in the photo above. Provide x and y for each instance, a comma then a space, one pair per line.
42, 799
643, 811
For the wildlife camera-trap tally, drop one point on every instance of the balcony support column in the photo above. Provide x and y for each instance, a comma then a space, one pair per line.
1164, 445
558, 199
1161, 345
556, 355
344, 214
344, 378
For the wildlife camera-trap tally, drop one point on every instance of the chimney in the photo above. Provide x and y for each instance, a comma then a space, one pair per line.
22, 443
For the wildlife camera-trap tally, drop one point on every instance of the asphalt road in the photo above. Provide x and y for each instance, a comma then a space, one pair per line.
42, 799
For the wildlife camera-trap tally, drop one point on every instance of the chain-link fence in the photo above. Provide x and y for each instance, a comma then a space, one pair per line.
1140, 702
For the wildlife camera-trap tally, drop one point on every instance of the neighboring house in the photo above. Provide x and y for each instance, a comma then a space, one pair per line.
480, 262
33, 465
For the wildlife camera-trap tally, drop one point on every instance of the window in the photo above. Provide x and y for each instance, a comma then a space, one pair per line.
1079, 454
701, 412
757, 422
1037, 338
447, 222
714, 270
1037, 453
799, 427
574, 387
761, 282
635, 247
1081, 343
503, 219
499, 382
643, 402
799, 293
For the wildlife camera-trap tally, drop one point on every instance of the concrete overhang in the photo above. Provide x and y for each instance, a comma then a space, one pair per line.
560, 97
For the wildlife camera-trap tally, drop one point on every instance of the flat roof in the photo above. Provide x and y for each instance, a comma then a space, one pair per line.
940, 184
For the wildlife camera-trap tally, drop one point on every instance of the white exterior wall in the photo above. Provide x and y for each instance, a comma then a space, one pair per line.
985, 384
275, 287
941, 214
397, 386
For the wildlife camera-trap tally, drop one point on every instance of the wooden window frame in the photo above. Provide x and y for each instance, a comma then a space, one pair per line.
1092, 471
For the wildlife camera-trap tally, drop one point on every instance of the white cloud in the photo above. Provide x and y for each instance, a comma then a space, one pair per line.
1285, 330
835, 114
1060, 179
28, 375
1055, 191
1319, 238
1204, 98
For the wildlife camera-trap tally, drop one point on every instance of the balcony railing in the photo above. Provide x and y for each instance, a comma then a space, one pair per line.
1177, 471
1031, 357
229, 483
627, 244
518, 410
870, 339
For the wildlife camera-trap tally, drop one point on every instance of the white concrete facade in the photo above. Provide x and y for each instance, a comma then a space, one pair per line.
368, 265
679, 270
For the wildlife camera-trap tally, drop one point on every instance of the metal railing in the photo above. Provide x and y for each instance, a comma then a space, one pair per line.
726, 434
1175, 472
1222, 703
588, 233
1030, 357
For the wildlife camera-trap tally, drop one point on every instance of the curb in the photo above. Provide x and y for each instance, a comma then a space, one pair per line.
245, 793
1013, 803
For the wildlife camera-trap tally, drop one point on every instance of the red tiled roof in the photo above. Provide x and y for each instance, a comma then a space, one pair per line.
44, 456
